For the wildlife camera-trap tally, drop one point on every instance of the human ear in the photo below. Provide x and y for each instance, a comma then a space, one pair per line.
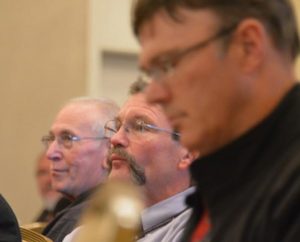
251, 40
187, 159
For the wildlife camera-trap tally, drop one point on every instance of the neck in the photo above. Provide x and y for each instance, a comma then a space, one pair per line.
153, 197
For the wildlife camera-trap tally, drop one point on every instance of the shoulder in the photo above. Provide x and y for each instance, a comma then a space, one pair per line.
171, 231
283, 198
71, 236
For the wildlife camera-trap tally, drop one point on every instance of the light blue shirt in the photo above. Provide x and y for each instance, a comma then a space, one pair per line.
163, 222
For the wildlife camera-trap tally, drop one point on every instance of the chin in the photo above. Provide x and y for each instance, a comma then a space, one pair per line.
59, 187
118, 177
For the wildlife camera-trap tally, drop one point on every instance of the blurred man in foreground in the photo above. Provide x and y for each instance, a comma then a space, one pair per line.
224, 73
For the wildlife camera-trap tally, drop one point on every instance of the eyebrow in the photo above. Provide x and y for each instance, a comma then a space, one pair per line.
50, 133
142, 117
160, 58
64, 131
135, 117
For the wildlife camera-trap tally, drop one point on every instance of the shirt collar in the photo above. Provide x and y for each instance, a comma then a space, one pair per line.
164, 210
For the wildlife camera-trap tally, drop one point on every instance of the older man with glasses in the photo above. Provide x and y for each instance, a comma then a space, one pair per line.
224, 72
77, 149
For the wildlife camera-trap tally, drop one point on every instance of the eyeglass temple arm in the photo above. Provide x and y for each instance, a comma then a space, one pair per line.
174, 134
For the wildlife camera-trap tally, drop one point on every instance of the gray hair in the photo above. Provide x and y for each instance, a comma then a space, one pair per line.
107, 108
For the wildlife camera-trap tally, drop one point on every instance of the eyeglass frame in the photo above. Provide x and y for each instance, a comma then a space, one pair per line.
166, 67
174, 135
72, 138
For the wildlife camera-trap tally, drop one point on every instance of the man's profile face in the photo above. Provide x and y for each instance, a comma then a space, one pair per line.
202, 93
155, 153
79, 168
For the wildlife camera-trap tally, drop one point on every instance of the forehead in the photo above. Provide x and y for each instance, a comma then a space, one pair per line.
162, 33
137, 106
76, 116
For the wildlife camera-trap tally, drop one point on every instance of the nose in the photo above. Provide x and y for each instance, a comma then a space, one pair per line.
157, 93
120, 138
54, 152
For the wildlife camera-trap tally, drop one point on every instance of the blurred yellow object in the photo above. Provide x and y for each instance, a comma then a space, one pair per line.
32, 236
36, 226
113, 214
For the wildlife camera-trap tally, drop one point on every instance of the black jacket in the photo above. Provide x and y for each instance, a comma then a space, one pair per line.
9, 227
47, 215
251, 187
66, 220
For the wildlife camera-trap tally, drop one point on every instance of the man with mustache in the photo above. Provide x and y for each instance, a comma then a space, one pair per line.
146, 151
77, 148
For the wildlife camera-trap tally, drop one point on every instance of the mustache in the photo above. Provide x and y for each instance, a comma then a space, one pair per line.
137, 172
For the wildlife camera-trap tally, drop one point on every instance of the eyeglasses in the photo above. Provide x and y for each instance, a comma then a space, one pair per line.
66, 139
167, 65
136, 129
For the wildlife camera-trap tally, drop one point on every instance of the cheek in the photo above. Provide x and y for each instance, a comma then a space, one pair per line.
195, 96
158, 153
188, 88
76, 157
190, 138
140, 153
87, 162
144, 152
75, 162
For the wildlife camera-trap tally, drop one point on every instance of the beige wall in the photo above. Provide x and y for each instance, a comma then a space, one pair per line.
42, 64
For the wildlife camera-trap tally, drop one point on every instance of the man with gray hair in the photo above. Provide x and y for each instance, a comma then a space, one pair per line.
224, 73
77, 148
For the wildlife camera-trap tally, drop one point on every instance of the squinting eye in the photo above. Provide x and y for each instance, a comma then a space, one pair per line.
67, 137
112, 129
138, 126
166, 66
50, 138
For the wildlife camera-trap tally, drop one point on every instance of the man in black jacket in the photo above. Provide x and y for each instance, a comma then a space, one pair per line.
224, 73
77, 148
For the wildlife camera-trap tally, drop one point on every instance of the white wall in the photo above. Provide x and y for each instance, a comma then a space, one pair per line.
42, 64
113, 49
111, 28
